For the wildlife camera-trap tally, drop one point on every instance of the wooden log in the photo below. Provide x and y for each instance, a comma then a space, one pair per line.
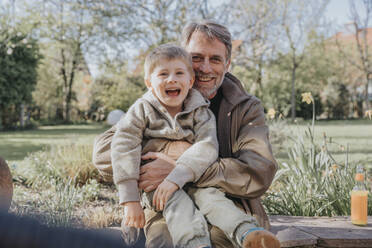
6, 186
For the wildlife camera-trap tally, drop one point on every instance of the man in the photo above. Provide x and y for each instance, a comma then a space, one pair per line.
245, 167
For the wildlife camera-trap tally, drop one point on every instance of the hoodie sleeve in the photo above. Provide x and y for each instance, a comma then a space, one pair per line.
126, 152
196, 159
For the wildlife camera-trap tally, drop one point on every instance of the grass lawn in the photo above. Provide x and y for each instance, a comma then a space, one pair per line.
15, 145
356, 135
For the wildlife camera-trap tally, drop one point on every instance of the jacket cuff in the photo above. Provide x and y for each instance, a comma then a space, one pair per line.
128, 191
180, 175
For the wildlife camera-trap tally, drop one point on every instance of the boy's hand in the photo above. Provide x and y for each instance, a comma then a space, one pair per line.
163, 193
134, 215
154, 172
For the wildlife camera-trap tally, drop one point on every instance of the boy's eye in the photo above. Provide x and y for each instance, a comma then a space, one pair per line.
180, 73
163, 74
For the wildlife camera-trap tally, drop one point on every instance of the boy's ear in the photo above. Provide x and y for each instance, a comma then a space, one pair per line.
148, 83
192, 81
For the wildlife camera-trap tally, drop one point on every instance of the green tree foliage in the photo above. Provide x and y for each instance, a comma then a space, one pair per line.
116, 89
19, 57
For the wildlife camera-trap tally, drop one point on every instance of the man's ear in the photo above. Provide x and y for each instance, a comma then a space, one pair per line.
148, 83
228, 65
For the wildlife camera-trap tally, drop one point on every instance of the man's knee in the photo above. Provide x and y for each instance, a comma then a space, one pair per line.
156, 231
157, 236
218, 238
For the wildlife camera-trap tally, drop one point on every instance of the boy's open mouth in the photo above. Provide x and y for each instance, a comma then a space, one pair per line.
173, 92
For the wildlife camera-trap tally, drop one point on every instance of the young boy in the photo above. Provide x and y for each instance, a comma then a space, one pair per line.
172, 110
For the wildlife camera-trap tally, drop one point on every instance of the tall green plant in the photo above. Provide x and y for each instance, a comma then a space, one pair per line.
311, 183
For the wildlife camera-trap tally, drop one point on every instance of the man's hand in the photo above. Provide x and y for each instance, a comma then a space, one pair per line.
164, 191
154, 172
134, 215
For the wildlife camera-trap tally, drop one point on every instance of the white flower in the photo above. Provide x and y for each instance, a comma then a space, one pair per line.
24, 41
9, 51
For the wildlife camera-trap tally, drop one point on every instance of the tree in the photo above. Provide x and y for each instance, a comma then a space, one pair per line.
19, 57
117, 89
255, 25
298, 19
357, 51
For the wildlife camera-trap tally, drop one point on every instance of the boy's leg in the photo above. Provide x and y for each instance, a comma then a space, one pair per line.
214, 205
186, 224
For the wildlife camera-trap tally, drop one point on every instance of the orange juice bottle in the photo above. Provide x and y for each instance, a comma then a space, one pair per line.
359, 199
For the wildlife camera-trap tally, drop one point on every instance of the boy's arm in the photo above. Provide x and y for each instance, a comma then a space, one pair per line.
126, 153
196, 159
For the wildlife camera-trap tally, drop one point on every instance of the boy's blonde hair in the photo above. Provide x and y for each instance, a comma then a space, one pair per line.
167, 52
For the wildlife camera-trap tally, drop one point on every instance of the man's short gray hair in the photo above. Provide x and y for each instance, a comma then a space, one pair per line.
212, 30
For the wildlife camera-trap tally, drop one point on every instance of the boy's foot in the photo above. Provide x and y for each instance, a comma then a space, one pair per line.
260, 239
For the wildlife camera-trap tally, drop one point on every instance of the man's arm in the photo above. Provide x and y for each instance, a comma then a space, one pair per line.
101, 156
250, 171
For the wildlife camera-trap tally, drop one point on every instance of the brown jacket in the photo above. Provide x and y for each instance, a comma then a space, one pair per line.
246, 166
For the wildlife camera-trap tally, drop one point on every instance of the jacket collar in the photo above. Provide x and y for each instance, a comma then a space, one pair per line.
193, 101
233, 91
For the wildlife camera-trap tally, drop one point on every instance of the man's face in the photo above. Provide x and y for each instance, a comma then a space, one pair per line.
209, 63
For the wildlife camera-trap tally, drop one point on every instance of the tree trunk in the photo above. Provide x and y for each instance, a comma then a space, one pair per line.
293, 94
22, 116
366, 96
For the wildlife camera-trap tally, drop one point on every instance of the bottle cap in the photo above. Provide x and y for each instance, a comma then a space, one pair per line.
359, 177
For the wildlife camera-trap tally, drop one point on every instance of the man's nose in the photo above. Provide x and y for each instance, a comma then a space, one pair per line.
206, 66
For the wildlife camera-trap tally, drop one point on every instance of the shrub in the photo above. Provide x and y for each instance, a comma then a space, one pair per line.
61, 178
70, 160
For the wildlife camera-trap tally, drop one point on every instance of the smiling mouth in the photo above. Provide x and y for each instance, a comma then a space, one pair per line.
173, 92
205, 78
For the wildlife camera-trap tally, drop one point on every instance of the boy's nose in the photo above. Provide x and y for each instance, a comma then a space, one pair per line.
172, 78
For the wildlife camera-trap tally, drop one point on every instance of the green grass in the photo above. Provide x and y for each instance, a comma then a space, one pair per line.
16, 145
354, 134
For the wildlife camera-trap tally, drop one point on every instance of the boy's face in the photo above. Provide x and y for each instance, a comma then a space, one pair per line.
170, 81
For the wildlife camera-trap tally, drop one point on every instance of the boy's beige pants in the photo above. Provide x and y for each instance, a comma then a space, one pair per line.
185, 223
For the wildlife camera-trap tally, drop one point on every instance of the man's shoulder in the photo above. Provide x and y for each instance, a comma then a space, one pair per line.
235, 93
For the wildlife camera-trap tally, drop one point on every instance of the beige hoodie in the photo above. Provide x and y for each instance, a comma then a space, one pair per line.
147, 124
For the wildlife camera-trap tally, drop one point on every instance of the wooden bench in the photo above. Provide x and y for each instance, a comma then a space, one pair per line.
295, 231
306, 232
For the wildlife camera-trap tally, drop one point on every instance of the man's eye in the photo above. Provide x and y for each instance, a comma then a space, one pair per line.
216, 60
196, 59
